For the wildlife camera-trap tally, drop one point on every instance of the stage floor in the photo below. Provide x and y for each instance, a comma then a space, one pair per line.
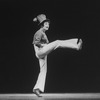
52, 96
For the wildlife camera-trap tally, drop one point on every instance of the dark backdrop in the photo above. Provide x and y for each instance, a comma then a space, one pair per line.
68, 70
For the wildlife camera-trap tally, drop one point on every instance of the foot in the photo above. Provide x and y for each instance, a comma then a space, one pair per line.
37, 92
80, 44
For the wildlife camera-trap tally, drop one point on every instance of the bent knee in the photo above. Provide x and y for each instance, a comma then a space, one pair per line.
57, 41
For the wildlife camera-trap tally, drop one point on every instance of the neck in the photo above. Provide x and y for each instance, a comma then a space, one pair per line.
43, 30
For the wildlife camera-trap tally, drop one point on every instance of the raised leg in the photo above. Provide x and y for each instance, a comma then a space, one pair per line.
71, 43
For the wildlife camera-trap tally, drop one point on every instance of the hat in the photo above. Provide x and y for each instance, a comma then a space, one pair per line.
41, 18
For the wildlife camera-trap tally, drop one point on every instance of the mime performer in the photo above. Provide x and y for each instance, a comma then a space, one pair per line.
42, 48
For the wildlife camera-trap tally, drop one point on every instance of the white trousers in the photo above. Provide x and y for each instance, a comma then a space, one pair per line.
41, 54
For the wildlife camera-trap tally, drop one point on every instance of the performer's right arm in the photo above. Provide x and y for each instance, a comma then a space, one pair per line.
37, 39
40, 39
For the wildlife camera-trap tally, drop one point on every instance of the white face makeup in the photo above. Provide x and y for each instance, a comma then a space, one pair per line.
46, 25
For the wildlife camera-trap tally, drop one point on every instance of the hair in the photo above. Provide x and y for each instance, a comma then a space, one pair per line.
42, 24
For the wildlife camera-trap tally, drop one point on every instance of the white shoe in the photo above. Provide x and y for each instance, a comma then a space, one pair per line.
37, 92
80, 44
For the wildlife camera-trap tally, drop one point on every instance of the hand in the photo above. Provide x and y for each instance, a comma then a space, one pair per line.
43, 45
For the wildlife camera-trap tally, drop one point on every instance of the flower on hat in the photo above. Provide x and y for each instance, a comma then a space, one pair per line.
41, 18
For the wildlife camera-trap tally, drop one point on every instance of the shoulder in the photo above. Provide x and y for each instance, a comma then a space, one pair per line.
38, 33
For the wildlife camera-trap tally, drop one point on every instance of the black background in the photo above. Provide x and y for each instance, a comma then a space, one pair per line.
68, 70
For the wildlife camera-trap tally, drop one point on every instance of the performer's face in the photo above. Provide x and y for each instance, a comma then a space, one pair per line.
46, 25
